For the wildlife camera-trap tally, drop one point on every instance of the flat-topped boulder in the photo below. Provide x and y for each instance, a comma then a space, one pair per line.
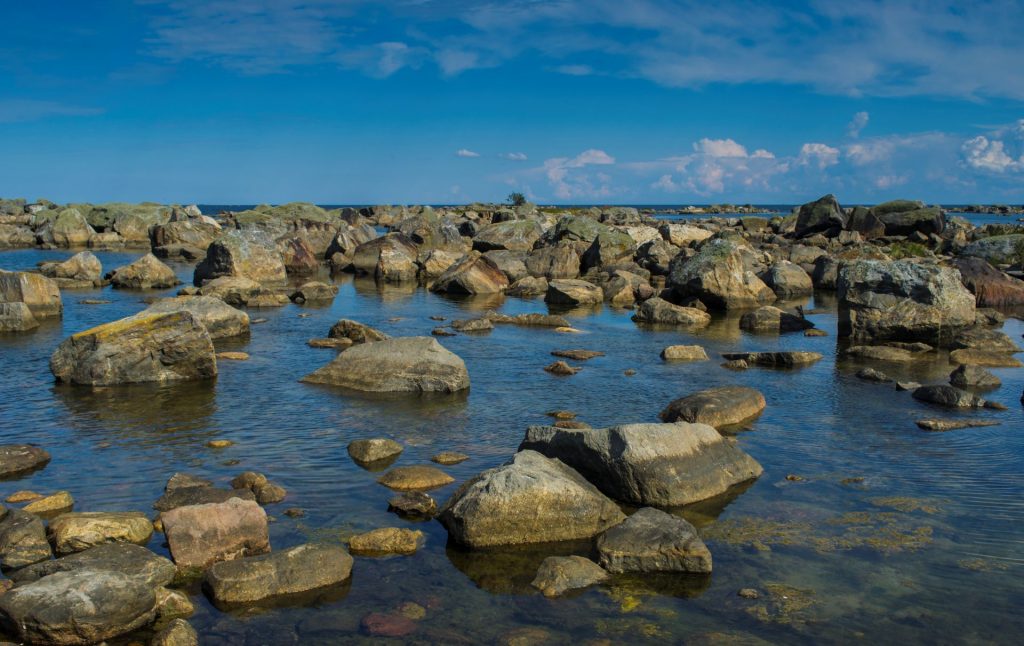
772, 319
684, 353
658, 311
220, 319
77, 531
405, 364
648, 464
198, 495
718, 407
653, 541
573, 292
83, 606
141, 348
718, 277
783, 359
297, 569
145, 273
951, 397
902, 301
531, 499
20, 459
125, 558
200, 535
368, 451
40, 294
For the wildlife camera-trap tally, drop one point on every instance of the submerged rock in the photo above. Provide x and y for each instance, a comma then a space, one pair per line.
648, 464
951, 397
177, 633
407, 364
141, 348
531, 499
560, 574
653, 541
717, 407
20, 459
788, 359
298, 569
415, 478
414, 505
386, 540
940, 425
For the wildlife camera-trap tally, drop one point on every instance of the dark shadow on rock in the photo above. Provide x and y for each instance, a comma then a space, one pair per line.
510, 570
320, 596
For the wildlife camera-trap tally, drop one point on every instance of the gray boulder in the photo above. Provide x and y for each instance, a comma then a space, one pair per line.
951, 397
474, 274
514, 235
17, 460
718, 277
573, 292
648, 464
39, 293
998, 250
658, 311
220, 319
718, 407
560, 574
124, 558
22, 539
16, 317
406, 364
298, 569
820, 216
145, 273
653, 541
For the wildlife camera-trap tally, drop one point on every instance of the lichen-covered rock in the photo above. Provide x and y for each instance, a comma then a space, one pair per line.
241, 255
199, 535
532, 499
77, 531
314, 292
297, 569
648, 464
389, 258
998, 250
140, 348
124, 558
514, 235
39, 293
16, 317
718, 277
717, 407
145, 273
220, 319
415, 478
820, 216
22, 539
573, 292
355, 332
554, 263
658, 311
788, 280
902, 301
406, 364
81, 269
653, 541
474, 274
68, 229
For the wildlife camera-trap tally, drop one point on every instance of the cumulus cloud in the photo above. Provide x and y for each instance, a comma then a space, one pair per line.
465, 152
720, 148
859, 121
817, 154
515, 156
980, 153
569, 183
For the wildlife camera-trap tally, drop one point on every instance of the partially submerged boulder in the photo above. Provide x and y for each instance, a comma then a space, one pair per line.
355, 332
40, 294
220, 319
531, 499
718, 277
200, 535
648, 464
573, 292
16, 317
406, 364
303, 568
82, 269
22, 539
145, 273
560, 574
474, 274
718, 407
17, 460
141, 348
243, 255
77, 531
771, 319
658, 311
951, 397
653, 541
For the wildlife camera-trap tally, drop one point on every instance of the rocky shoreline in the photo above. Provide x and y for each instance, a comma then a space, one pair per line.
910, 283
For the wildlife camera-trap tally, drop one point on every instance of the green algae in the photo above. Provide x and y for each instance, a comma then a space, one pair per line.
784, 604
907, 504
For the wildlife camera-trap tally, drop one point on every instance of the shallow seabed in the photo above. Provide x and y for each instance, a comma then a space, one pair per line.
892, 535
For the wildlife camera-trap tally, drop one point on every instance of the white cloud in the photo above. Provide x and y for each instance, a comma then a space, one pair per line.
515, 156
980, 153
817, 154
720, 148
890, 181
859, 121
570, 183
464, 152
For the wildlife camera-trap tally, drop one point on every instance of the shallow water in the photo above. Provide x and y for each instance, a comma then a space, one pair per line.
893, 534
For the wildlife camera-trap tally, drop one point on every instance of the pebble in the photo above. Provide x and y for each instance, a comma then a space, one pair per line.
449, 457
219, 444
233, 356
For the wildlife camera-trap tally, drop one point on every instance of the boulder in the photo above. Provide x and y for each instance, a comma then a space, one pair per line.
883, 353
314, 292
373, 450
902, 301
684, 353
303, 568
718, 277
972, 356
299, 256
236, 291
13, 236
145, 273
573, 292
785, 359
220, 319
83, 268
414, 505
177, 633
511, 263
658, 311
355, 332
407, 364
514, 235
971, 376
899, 220
985, 339
242, 255
788, 280
39, 293
415, 478
951, 397
528, 287
17, 460
653, 541
16, 317
68, 229
531, 499
474, 274
718, 407
200, 535
560, 574
648, 464
389, 258
190, 233
140, 348
199, 495
819, 216
991, 287
682, 235
609, 247
77, 531
998, 250
124, 558
22, 539
554, 263
78, 607
771, 319
386, 540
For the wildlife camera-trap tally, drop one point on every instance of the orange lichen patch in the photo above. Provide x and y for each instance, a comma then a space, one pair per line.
107, 330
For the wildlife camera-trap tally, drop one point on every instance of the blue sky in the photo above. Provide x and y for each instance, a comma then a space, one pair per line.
603, 101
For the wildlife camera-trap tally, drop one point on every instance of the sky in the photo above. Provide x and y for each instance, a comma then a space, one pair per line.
566, 101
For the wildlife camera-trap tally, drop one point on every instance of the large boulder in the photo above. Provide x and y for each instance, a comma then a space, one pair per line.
68, 229
191, 233
902, 301
658, 311
771, 319
653, 541
648, 464
788, 280
718, 407
140, 348
81, 269
200, 535
683, 235
39, 293
125, 558
474, 274
241, 254
558, 262
298, 569
531, 499
16, 317
560, 574
998, 250
820, 216
718, 277
19, 459
13, 236
220, 319
573, 292
145, 273
355, 332
389, 258
22, 539
405, 364
77, 531
609, 247
951, 397
902, 218
991, 287
514, 235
